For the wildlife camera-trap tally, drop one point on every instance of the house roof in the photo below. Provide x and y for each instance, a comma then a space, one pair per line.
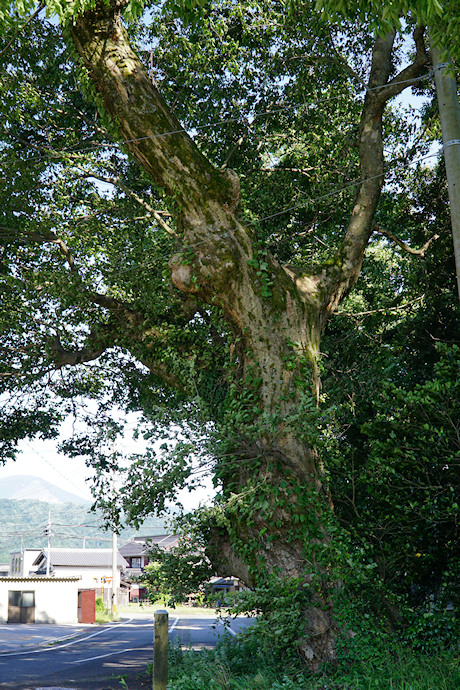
80, 557
140, 545
70, 578
133, 548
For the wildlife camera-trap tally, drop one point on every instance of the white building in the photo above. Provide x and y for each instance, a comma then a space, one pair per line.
39, 600
93, 567
21, 562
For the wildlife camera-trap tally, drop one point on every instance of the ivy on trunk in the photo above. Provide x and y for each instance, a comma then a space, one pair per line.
277, 314
276, 522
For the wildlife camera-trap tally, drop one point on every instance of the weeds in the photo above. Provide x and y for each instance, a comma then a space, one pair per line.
103, 615
240, 666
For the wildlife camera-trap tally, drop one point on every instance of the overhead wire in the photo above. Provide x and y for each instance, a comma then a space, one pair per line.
304, 204
55, 469
197, 128
270, 112
335, 192
257, 115
218, 123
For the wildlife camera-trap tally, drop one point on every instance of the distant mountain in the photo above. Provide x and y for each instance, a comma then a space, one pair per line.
22, 524
24, 487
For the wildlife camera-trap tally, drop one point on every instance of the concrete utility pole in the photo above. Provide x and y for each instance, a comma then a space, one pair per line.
48, 550
449, 113
115, 584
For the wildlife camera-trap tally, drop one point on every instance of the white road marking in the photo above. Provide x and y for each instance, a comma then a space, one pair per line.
56, 645
174, 625
118, 651
122, 651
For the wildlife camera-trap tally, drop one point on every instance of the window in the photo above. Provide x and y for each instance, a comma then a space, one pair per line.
22, 599
21, 607
14, 598
135, 562
28, 599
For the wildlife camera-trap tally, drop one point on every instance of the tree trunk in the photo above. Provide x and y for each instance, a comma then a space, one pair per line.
278, 506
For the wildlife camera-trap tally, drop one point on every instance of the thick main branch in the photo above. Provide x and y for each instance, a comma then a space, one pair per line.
151, 132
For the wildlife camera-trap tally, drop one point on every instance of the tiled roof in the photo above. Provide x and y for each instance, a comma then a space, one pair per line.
140, 545
70, 578
80, 557
132, 548
163, 540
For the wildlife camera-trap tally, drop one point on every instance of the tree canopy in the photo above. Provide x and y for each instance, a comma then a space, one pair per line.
218, 217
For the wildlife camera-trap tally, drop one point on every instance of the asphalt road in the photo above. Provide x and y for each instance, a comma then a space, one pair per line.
96, 658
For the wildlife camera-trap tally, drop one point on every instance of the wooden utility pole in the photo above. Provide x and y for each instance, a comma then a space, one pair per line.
449, 113
115, 574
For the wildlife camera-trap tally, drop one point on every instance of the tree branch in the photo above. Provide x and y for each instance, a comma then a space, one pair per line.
340, 278
410, 75
416, 252
378, 311
116, 182
63, 357
14, 234
28, 20
302, 171
151, 132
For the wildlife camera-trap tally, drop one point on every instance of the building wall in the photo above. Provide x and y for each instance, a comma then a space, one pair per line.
21, 562
91, 577
56, 599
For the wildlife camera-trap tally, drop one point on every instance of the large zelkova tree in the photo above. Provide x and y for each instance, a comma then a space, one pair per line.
193, 285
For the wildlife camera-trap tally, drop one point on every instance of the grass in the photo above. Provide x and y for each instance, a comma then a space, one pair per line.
240, 664
104, 615
211, 670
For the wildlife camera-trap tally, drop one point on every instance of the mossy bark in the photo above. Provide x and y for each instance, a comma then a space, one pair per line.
277, 315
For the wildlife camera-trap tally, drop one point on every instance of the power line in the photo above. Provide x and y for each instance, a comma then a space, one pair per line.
218, 123
42, 457
335, 192
275, 111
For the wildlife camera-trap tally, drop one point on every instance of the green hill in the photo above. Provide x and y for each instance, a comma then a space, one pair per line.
22, 524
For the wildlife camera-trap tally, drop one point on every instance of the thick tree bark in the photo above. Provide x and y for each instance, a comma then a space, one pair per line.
276, 314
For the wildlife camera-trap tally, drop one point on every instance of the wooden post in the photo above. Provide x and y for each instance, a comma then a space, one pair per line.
160, 651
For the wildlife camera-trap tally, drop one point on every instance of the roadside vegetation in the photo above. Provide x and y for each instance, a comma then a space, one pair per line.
424, 655
243, 666
103, 615
178, 610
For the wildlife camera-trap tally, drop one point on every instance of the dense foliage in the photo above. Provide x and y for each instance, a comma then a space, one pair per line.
356, 477
246, 667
